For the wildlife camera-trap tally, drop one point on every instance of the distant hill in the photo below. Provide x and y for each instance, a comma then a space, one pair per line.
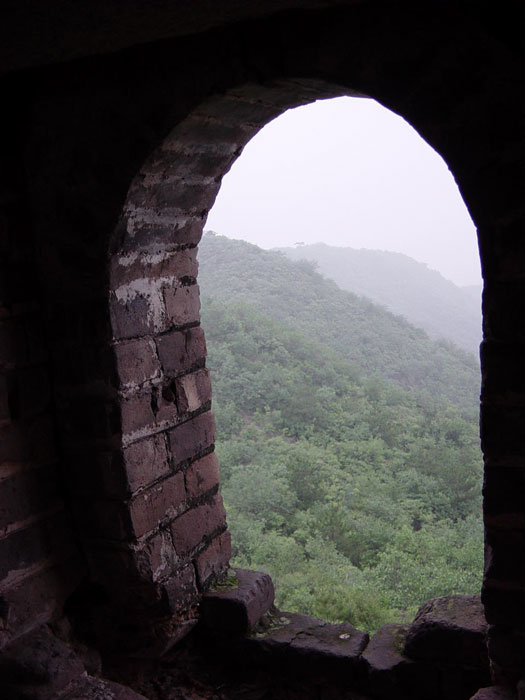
361, 499
377, 342
404, 286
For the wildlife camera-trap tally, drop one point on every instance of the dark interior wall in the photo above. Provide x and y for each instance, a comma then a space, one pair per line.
110, 166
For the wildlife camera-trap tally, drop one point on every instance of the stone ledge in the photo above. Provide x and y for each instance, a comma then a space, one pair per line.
237, 609
294, 640
391, 674
450, 630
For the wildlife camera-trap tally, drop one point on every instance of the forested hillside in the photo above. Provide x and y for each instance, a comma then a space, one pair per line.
375, 341
404, 286
361, 498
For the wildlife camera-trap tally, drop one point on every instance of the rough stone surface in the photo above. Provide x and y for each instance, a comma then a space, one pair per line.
237, 607
450, 630
391, 674
38, 666
301, 640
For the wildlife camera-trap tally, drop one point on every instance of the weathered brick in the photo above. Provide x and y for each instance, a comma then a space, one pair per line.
182, 304
137, 362
166, 409
214, 560
168, 194
197, 524
150, 234
181, 589
157, 504
180, 264
161, 560
132, 318
137, 413
193, 391
202, 476
180, 351
146, 461
192, 437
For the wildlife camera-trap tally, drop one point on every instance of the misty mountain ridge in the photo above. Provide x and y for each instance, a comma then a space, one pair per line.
404, 286
377, 342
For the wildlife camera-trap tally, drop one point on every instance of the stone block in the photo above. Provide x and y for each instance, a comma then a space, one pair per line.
182, 305
202, 476
38, 666
181, 590
40, 598
137, 362
198, 523
193, 391
151, 233
188, 440
392, 675
181, 264
146, 461
132, 318
236, 607
449, 630
297, 642
180, 351
158, 504
137, 414
214, 560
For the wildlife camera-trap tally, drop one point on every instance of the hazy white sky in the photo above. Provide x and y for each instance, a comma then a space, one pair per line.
350, 173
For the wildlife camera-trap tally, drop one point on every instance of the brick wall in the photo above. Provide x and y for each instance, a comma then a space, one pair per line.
39, 561
109, 167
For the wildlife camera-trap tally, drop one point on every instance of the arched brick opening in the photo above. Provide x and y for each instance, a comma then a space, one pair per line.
122, 418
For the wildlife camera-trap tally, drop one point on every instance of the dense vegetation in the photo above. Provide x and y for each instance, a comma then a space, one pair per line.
370, 337
360, 497
404, 286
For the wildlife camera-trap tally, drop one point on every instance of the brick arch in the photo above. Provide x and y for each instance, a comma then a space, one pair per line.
87, 227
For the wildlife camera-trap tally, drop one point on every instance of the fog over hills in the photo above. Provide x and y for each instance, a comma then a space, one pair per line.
378, 342
404, 286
